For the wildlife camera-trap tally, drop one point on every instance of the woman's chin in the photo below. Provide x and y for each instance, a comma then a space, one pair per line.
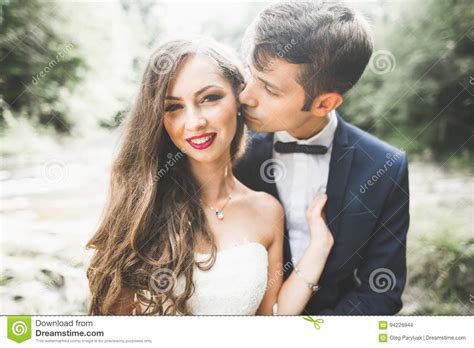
207, 155
218, 150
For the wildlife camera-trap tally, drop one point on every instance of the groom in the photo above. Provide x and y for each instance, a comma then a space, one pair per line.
303, 57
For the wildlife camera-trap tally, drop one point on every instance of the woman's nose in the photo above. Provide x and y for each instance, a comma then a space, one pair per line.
195, 120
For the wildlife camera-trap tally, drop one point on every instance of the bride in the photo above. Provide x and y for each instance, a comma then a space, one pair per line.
180, 235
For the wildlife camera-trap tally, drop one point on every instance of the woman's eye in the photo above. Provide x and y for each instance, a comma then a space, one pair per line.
211, 97
172, 107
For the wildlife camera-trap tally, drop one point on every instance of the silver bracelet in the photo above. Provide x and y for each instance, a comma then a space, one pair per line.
313, 287
275, 309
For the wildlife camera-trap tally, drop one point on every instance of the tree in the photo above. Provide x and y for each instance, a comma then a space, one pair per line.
418, 90
38, 63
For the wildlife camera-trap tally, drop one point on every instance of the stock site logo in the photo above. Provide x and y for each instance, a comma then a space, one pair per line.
19, 328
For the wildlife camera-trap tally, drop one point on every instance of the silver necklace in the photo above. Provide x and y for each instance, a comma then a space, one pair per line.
219, 213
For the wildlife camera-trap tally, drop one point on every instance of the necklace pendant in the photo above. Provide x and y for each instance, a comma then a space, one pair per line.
219, 215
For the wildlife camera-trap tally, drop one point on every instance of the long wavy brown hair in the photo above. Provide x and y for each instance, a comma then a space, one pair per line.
152, 221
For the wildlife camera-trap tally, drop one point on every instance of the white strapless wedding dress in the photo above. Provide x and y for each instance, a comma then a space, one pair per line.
235, 285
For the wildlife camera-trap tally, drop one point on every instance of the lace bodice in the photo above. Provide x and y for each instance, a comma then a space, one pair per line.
235, 285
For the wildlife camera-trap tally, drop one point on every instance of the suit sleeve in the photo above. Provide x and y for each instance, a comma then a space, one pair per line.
382, 271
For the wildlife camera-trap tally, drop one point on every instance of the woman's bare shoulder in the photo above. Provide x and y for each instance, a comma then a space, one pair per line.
262, 200
266, 208
268, 204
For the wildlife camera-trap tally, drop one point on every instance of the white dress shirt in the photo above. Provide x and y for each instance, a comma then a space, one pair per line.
304, 176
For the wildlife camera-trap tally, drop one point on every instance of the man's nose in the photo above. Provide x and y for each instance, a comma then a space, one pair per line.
246, 98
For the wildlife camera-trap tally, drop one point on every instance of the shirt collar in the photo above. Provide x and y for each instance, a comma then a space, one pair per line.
324, 137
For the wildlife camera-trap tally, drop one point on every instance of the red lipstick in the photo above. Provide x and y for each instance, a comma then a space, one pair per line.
201, 142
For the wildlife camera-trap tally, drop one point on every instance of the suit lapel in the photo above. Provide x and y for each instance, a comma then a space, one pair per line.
339, 169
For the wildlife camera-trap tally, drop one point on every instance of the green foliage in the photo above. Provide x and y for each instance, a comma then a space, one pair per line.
422, 98
70, 67
443, 273
39, 63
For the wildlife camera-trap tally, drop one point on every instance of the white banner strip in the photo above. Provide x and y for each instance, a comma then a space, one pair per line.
219, 331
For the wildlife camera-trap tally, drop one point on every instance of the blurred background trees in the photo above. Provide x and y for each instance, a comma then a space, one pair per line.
418, 91
71, 66
30, 46
68, 68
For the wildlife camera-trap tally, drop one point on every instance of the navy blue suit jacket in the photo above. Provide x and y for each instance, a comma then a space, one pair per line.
368, 215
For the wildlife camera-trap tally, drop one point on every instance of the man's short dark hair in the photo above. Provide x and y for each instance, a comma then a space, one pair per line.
332, 41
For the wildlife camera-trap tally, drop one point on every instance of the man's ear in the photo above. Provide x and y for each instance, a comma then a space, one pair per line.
325, 103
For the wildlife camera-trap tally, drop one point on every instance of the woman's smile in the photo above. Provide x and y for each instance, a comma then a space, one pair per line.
201, 142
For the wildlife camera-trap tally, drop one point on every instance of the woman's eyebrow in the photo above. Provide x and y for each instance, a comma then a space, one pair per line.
205, 88
170, 97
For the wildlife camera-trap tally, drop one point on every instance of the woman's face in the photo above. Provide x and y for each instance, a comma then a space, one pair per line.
200, 110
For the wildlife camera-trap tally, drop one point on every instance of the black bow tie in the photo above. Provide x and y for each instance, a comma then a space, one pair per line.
294, 147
